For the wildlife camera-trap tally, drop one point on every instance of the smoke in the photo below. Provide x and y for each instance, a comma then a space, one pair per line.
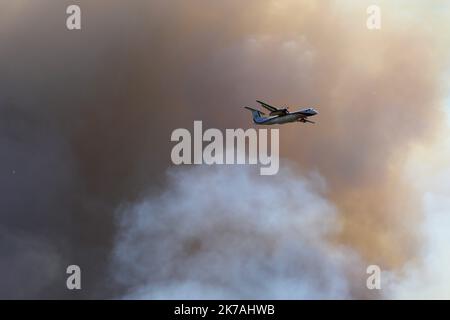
228, 233
86, 117
427, 276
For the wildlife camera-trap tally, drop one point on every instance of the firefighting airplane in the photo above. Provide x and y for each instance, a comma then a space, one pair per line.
280, 116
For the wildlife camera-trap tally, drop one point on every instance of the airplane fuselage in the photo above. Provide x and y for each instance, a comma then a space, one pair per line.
290, 117
277, 119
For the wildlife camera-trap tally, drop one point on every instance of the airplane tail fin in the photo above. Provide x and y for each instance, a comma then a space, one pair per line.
256, 113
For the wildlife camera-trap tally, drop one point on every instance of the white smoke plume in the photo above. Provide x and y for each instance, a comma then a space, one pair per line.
226, 232
428, 276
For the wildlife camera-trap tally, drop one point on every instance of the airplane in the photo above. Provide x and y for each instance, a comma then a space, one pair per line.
280, 116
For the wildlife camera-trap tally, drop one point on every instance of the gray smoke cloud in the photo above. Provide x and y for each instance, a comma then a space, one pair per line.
226, 233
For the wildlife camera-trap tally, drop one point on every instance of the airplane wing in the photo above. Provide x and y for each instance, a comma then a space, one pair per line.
267, 106
273, 111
